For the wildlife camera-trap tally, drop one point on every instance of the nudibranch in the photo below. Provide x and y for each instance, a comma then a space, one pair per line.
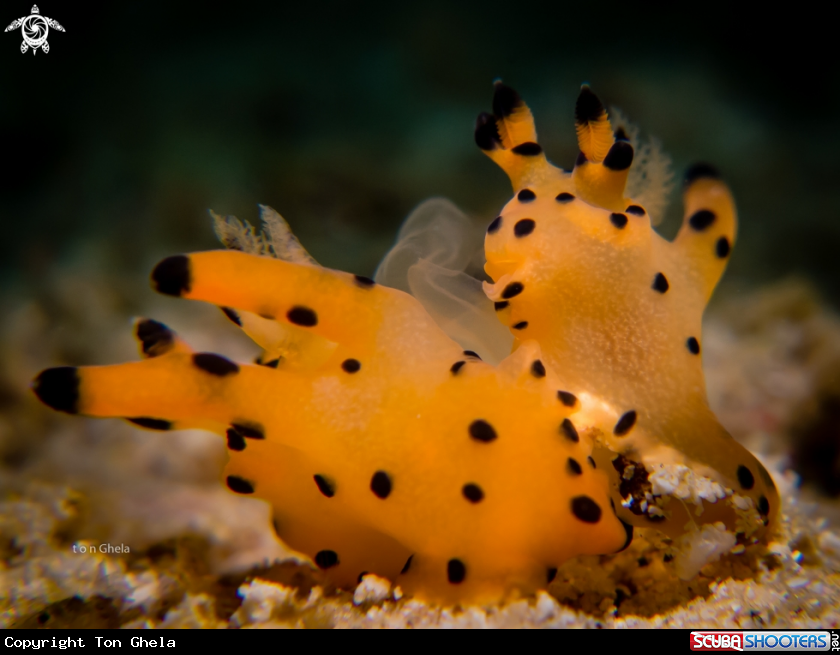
385, 447
390, 451
577, 267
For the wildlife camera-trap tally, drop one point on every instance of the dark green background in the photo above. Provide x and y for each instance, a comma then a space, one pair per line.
344, 116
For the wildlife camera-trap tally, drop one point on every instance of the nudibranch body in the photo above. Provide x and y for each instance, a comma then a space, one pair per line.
385, 447
399, 453
617, 311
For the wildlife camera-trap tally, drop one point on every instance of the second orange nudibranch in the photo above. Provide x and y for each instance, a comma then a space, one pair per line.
617, 309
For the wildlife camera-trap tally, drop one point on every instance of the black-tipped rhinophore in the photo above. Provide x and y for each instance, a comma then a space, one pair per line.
155, 338
172, 276
699, 171
486, 132
587, 108
619, 157
58, 388
505, 99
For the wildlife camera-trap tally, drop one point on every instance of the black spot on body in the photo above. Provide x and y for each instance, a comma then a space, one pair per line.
620, 156
568, 430
470, 353
232, 315
573, 467
745, 477
564, 197
486, 131
155, 338
250, 430
361, 576
274, 363
351, 365
214, 364
239, 485
473, 493
588, 107
151, 423
550, 574
500, 305
325, 486
326, 559
538, 369
635, 210
524, 227
407, 565
172, 276
457, 367
722, 248
699, 171
585, 509
380, 484
625, 423
521, 325
660, 283
494, 225
364, 282
526, 195
527, 149
568, 399
512, 290
763, 506
619, 220
302, 316
58, 388
456, 571
481, 430
235, 441
701, 219
628, 531
505, 100
693, 345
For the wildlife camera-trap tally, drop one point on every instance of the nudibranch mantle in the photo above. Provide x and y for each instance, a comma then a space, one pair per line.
384, 446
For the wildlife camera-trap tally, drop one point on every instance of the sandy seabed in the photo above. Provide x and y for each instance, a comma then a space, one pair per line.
167, 546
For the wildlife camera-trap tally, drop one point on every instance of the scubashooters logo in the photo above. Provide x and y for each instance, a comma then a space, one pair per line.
34, 28
797, 641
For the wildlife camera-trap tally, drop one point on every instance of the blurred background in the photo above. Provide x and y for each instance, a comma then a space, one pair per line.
343, 116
